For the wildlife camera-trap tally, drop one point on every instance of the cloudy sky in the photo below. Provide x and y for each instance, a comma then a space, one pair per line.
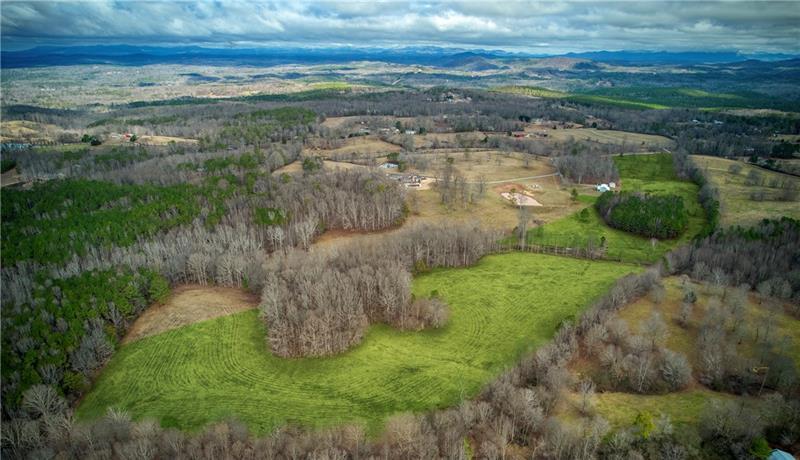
539, 27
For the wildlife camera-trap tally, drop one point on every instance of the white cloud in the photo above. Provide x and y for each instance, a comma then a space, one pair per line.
746, 26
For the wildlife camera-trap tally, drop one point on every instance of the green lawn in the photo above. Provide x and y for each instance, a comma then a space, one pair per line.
646, 173
504, 306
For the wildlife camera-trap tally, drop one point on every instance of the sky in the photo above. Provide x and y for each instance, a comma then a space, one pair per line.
537, 27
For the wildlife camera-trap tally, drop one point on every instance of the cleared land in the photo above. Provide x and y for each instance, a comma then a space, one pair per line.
29, 132
501, 172
646, 173
636, 141
356, 148
503, 307
297, 166
738, 188
190, 304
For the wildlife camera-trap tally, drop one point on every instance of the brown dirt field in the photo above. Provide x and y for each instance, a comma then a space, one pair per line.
28, 131
492, 209
164, 140
188, 304
492, 165
445, 140
338, 122
335, 238
358, 146
296, 166
606, 136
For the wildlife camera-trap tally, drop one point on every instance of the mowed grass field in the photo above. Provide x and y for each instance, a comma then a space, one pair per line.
646, 173
736, 205
501, 308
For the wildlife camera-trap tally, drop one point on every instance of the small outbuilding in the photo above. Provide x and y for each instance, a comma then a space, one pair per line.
603, 188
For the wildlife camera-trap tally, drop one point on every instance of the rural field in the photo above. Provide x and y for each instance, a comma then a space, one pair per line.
503, 307
749, 193
500, 172
635, 142
356, 148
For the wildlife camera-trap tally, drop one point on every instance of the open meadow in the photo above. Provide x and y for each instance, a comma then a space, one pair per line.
503, 307
749, 193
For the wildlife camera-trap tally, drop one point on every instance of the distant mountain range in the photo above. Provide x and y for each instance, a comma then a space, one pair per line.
475, 60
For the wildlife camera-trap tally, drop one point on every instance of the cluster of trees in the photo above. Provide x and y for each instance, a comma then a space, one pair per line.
69, 328
656, 216
321, 304
708, 195
587, 167
725, 328
265, 126
636, 362
763, 257
315, 305
59, 219
454, 189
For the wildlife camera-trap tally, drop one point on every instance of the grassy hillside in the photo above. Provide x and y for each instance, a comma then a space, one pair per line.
685, 407
748, 193
646, 173
501, 308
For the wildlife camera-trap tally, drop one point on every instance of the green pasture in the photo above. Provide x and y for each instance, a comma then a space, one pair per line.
501, 308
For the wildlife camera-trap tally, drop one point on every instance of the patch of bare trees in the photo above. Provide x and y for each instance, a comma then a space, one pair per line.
586, 167
765, 255
321, 303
